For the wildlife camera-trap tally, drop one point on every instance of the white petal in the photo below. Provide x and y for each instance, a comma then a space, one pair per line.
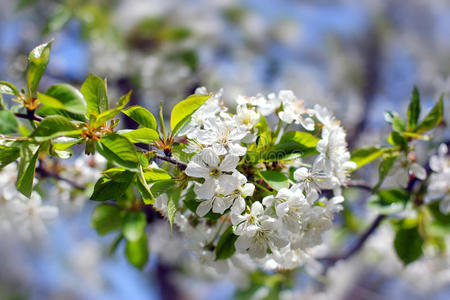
301, 174
229, 163
210, 157
195, 170
248, 189
220, 204
258, 249
282, 209
207, 189
243, 242
228, 183
307, 123
257, 208
237, 149
238, 206
418, 171
203, 208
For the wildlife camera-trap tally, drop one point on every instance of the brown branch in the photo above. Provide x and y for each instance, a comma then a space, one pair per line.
361, 184
180, 165
330, 261
45, 172
31, 117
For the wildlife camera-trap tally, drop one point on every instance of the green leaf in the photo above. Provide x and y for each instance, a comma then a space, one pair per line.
433, 118
143, 188
383, 170
65, 97
8, 155
408, 244
182, 112
112, 189
141, 116
172, 204
27, 166
118, 149
8, 122
111, 113
292, 142
106, 218
140, 135
397, 139
162, 187
225, 246
398, 124
394, 195
95, 92
134, 224
389, 201
54, 126
275, 180
414, 109
137, 252
363, 156
8, 89
155, 174
37, 63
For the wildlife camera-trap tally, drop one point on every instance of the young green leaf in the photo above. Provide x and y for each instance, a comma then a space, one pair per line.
109, 189
398, 124
106, 218
118, 149
137, 252
182, 112
8, 88
65, 97
275, 179
8, 155
414, 109
95, 92
37, 63
162, 187
143, 188
8, 122
172, 204
141, 116
363, 156
54, 126
384, 169
408, 244
225, 246
111, 113
433, 118
134, 224
27, 166
155, 174
140, 135
292, 142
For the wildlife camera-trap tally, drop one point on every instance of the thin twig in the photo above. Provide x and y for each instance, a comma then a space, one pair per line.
361, 184
44, 172
330, 261
181, 165
29, 117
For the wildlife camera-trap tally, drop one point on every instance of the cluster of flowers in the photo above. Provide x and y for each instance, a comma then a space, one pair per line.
439, 182
274, 229
25, 217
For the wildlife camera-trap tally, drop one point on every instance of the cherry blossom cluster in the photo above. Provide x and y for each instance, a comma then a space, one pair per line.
274, 227
439, 181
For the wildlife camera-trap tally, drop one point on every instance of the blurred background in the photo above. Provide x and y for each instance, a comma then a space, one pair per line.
360, 58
